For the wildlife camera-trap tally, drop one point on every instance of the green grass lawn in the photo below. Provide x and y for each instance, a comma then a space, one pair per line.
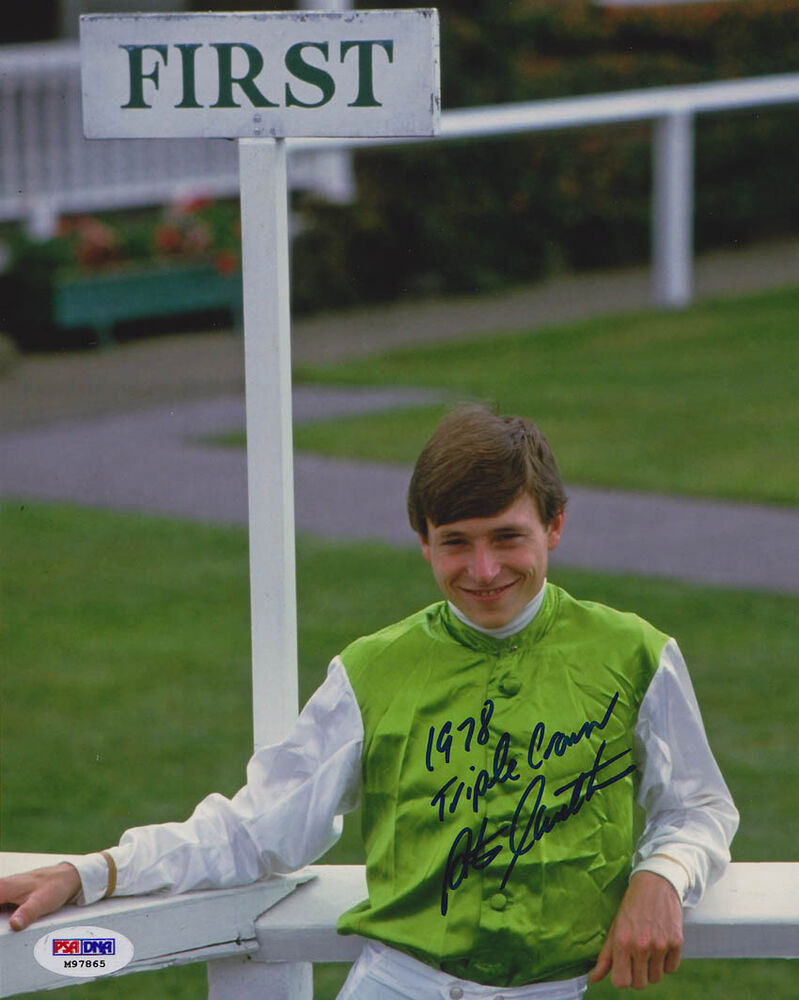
702, 401
126, 693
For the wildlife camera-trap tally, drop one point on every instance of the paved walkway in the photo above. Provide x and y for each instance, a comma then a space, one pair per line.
156, 461
125, 429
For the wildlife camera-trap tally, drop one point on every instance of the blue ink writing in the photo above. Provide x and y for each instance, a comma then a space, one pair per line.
540, 822
559, 742
502, 770
468, 852
532, 820
465, 854
443, 741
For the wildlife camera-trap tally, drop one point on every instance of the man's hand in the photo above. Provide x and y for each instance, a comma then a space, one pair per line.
645, 939
38, 892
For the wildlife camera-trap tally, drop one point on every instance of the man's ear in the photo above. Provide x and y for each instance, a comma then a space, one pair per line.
554, 529
425, 545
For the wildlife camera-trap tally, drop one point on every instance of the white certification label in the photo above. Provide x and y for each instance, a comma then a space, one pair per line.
83, 952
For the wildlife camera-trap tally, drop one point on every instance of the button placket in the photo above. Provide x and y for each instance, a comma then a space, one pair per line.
510, 685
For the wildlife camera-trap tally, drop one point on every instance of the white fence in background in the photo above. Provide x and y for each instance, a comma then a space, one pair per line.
672, 110
47, 168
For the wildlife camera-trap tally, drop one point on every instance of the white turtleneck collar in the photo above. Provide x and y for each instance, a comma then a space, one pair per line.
516, 624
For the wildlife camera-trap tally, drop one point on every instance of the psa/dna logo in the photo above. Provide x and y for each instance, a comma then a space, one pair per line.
83, 952
83, 946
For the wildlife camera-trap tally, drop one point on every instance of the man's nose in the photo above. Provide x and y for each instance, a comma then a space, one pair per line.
484, 564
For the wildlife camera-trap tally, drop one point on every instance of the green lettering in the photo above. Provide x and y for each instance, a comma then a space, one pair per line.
137, 74
255, 63
187, 52
314, 75
366, 93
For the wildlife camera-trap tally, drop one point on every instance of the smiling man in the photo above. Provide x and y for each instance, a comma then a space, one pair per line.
539, 798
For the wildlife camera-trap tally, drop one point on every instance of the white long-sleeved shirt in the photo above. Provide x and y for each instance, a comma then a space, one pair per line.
289, 812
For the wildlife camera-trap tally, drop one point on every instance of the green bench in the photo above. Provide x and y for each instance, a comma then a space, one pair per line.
101, 301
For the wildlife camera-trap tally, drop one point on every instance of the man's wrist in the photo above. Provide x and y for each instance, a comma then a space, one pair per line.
669, 868
71, 878
94, 872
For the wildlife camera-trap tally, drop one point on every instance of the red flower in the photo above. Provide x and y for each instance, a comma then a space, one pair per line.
168, 238
97, 243
226, 262
187, 206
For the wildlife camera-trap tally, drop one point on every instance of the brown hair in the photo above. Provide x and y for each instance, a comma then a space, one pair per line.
477, 464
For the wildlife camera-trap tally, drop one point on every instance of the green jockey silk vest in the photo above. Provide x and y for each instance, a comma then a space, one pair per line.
498, 786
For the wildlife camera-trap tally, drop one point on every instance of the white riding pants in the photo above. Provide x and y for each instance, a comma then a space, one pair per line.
382, 973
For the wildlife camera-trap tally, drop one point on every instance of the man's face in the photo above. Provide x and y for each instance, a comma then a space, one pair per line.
491, 567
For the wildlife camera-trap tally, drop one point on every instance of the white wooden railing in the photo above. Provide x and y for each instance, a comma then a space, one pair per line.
261, 940
672, 110
47, 168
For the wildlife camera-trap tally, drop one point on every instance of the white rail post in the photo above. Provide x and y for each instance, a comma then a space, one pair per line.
267, 347
672, 209
245, 979
270, 471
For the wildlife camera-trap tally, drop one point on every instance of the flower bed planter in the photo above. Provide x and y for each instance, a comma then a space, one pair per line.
76, 288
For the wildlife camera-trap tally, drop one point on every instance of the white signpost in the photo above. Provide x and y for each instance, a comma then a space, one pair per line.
260, 78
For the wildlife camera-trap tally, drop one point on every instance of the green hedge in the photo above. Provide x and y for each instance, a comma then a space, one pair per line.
479, 215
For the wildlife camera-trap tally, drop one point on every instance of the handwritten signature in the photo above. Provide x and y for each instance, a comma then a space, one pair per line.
468, 851
532, 820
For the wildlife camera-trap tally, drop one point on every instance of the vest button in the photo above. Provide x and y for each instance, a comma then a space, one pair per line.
455, 993
498, 901
510, 686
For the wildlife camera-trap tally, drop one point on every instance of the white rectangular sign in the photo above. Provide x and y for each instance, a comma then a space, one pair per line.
342, 73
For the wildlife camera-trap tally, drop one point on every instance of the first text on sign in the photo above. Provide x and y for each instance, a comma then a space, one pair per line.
296, 63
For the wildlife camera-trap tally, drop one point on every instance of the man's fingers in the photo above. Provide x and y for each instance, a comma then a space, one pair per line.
39, 892
655, 971
672, 962
600, 970
21, 918
641, 963
633, 966
621, 974
37, 904
660, 959
640, 970
604, 961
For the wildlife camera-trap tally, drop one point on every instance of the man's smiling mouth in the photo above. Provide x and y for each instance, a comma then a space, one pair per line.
492, 592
